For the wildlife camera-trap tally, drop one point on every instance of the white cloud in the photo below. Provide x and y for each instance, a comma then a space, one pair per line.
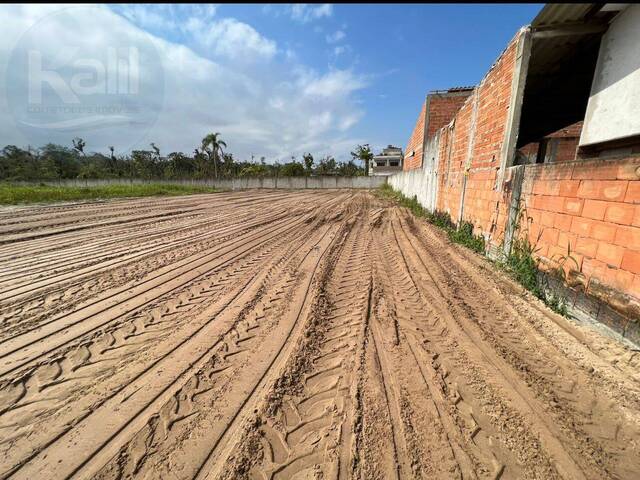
336, 36
349, 121
283, 108
335, 84
147, 17
233, 39
341, 49
304, 13
320, 122
166, 17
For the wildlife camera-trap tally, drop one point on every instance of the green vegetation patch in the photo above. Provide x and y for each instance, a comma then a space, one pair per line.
11, 194
463, 234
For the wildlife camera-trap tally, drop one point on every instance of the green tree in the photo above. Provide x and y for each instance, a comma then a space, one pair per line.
179, 165
143, 163
365, 155
78, 145
112, 160
292, 169
349, 169
326, 166
308, 163
200, 161
254, 170
212, 147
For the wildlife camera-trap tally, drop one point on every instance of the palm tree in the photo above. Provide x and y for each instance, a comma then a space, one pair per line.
212, 146
363, 153
78, 145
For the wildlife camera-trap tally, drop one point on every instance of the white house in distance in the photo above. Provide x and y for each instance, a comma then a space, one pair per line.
386, 163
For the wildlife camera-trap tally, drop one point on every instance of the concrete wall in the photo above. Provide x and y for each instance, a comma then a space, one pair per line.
236, 183
612, 111
421, 182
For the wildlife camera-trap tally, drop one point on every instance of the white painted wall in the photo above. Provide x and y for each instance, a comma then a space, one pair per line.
613, 111
421, 182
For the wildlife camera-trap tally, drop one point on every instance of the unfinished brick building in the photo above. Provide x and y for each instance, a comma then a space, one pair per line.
548, 145
438, 109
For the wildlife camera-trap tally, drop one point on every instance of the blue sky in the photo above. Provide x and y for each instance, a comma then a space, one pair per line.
278, 80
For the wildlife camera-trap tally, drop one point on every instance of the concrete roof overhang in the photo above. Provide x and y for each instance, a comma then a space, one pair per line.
565, 39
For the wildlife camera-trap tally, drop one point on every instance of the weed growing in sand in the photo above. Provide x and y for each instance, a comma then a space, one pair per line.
463, 234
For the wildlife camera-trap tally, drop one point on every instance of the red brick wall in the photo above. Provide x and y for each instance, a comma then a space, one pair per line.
442, 108
588, 210
566, 145
484, 205
566, 149
416, 144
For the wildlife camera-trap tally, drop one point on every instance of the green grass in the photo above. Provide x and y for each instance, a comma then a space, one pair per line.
22, 194
463, 234
522, 265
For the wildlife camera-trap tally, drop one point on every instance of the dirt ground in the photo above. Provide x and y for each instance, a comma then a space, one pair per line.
304, 334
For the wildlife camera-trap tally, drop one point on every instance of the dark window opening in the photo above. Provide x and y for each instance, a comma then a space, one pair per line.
557, 87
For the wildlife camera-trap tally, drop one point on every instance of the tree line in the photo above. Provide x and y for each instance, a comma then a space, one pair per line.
209, 160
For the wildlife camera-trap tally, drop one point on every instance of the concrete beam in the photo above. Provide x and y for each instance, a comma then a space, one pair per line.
569, 30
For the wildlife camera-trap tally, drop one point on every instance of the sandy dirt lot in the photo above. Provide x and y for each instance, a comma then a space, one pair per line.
284, 335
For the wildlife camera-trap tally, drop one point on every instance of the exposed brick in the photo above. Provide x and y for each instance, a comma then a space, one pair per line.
569, 188
631, 261
548, 219
629, 170
599, 171
589, 208
562, 222
541, 249
415, 144
628, 237
550, 236
581, 226
603, 231
620, 213
594, 209
635, 286
592, 267
443, 108
624, 280
573, 206
613, 190
586, 246
556, 254
633, 192
567, 240
551, 204
636, 217
610, 254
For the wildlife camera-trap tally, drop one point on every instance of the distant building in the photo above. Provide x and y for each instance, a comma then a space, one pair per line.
387, 163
